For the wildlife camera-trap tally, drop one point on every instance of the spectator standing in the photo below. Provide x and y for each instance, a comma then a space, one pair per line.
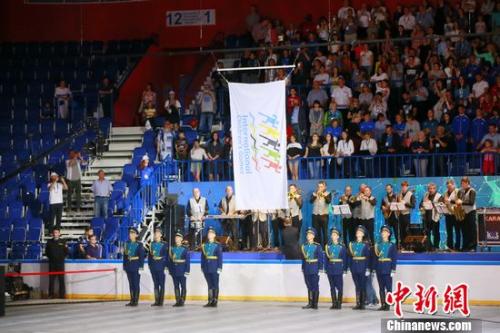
74, 176
56, 187
368, 148
172, 108
102, 190
106, 92
421, 146
317, 94
478, 129
62, 95
294, 152
165, 141
316, 115
461, 128
197, 155
56, 251
148, 96
342, 95
215, 151
206, 101
313, 153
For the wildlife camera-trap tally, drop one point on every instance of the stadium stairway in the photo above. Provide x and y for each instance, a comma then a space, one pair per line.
121, 144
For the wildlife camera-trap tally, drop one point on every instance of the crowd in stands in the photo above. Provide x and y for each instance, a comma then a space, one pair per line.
431, 84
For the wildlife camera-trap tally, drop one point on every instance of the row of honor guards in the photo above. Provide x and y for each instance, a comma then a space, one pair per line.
174, 259
359, 257
460, 214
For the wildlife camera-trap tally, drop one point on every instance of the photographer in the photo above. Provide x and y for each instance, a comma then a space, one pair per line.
73, 176
56, 187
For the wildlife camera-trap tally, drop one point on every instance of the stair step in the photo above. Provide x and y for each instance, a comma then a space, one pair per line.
107, 169
127, 130
114, 162
125, 138
121, 146
117, 153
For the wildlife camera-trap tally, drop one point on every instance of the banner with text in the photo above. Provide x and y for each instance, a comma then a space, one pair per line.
259, 144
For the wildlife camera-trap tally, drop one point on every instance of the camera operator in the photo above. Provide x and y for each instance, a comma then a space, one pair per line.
56, 187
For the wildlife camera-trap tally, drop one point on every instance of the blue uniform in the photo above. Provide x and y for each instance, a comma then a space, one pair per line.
384, 263
335, 267
211, 263
179, 266
158, 262
479, 128
359, 263
312, 263
461, 125
133, 260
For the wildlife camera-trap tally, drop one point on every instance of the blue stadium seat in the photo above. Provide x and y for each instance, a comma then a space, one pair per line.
18, 251
34, 251
111, 230
97, 224
16, 210
18, 235
129, 172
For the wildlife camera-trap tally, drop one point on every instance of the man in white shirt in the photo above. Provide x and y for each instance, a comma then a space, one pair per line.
369, 148
407, 21
342, 95
56, 187
344, 10
207, 108
480, 87
102, 191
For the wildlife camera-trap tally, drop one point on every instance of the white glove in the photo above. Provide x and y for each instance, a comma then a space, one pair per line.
367, 273
322, 271
141, 269
345, 273
186, 274
392, 273
219, 271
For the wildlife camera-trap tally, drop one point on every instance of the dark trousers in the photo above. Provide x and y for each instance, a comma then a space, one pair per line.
134, 279
260, 228
179, 282
231, 229
56, 211
432, 228
393, 222
348, 230
59, 278
297, 223
312, 282
359, 282
320, 223
276, 226
212, 280
404, 223
158, 282
384, 283
469, 230
246, 232
74, 186
369, 225
336, 283
453, 225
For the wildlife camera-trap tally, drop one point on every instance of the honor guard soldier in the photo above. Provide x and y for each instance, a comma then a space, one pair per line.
56, 250
312, 264
158, 262
336, 267
179, 266
359, 263
384, 263
133, 261
211, 265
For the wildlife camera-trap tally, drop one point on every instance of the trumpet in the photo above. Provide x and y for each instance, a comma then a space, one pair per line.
321, 194
344, 199
386, 211
291, 195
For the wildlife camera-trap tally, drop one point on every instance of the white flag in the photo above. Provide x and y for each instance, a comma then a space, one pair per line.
258, 124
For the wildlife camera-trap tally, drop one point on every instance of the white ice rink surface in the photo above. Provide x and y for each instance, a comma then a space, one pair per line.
231, 317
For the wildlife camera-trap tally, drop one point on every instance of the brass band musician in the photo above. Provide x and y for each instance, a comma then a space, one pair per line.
408, 198
430, 216
449, 198
348, 225
390, 217
321, 200
467, 200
